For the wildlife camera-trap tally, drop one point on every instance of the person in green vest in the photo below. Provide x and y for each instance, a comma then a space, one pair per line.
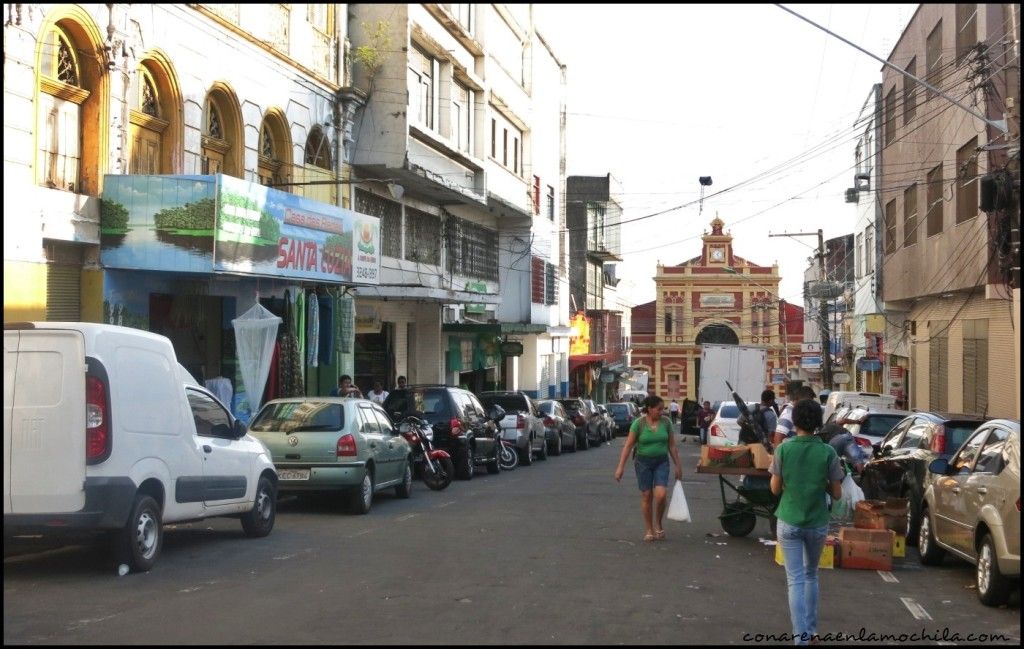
804, 470
652, 437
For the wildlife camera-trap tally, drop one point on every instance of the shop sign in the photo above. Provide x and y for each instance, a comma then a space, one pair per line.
810, 362
579, 340
810, 348
265, 231
778, 376
717, 300
367, 320
872, 345
475, 309
840, 377
511, 348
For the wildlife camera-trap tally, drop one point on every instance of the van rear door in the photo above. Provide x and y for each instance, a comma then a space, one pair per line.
44, 421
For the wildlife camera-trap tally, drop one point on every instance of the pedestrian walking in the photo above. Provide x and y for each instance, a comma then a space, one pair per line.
803, 471
378, 394
651, 437
673, 411
704, 418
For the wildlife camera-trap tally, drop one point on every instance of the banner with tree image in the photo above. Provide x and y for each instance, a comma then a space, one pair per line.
266, 231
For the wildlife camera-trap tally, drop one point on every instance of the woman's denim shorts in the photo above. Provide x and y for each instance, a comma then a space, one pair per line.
651, 471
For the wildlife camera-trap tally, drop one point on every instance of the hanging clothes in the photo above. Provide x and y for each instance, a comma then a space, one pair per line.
272, 390
221, 388
289, 314
290, 367
326, 341
300, 330
313, 331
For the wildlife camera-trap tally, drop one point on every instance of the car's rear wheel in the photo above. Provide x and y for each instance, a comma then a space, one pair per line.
361, 500
542, 454
583, 442
526, 457
139, 541
258, 521
464, 471
494, 466
556, 448
404, 490
930, 553
993, 586
913, 518
575, 443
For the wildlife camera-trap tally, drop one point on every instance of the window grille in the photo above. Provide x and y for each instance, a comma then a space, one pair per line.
422, 237
472, 249
550, 285
390, 215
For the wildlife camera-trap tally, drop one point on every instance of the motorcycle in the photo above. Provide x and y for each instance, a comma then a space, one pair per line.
434, 465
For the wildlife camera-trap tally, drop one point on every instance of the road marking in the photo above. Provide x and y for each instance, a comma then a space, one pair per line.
372, 529
450, 502
406, 517
915, 609
888, 576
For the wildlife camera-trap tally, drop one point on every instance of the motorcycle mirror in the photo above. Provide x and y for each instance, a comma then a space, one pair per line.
496, 413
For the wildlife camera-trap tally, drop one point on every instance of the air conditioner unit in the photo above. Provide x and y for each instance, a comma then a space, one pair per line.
862, 181
450, 315
851, 195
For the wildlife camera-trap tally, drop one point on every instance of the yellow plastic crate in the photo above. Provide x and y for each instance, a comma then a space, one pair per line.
827, 559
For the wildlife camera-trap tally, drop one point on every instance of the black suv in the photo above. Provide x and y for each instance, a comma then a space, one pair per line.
461, 425
900, 465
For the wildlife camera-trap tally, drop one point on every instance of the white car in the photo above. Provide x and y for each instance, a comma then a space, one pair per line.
105, 431
869, 426
724, 430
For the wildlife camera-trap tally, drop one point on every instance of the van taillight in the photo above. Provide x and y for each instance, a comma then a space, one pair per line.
939, 440
716, 431
97, 421
346, 446
520, 422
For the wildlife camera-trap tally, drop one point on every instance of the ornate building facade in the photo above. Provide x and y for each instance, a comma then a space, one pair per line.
715, 297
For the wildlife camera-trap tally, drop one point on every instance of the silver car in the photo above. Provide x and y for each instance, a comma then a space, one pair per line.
523, 425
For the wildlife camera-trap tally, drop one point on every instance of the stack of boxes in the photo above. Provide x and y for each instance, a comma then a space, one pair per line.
877, 536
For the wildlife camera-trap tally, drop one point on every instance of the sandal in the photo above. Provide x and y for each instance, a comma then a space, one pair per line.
648, 538
659, 534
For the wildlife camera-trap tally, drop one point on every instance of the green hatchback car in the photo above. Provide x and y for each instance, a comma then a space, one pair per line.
322, 444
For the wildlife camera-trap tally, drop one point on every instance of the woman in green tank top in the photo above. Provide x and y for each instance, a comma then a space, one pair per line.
651, 437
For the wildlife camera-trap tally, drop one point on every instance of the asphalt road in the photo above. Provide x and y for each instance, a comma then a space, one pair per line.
547, 554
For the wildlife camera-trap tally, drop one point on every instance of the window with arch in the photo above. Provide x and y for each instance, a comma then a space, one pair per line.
62, 98
222, 134
149, 153
274, 166
318, 168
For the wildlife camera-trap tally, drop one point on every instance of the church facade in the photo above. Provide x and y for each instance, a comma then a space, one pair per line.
715, 297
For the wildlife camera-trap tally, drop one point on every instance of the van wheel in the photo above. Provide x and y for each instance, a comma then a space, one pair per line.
138, 543
258, 521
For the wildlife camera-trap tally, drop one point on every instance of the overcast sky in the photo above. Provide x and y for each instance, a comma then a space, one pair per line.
660, 95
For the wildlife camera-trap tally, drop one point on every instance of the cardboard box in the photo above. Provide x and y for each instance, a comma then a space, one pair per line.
882, 515
829, 554
899, 546
866, 549
762, 459
726, 456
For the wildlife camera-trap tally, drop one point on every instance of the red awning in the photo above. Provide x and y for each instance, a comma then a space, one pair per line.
586, 359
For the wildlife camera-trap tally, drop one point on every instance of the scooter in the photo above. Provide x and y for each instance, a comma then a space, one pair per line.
435, 465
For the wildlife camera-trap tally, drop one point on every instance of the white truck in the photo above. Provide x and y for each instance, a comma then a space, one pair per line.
105, 431
745, 367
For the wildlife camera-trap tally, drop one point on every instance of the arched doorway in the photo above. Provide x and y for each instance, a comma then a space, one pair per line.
717, 334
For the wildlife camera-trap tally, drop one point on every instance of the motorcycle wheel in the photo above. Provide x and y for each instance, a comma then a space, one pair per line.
440, 479
508, 459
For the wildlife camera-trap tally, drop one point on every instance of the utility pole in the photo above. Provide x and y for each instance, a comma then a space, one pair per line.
826, 342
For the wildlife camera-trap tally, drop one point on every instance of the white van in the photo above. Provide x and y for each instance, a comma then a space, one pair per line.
868, 400
104, 430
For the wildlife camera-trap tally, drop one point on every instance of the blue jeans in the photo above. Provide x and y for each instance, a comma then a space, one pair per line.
801, 549
651, 472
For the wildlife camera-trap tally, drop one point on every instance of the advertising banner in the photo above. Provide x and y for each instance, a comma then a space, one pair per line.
265, 231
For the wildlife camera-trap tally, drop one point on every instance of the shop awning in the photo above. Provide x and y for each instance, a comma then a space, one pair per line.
494, 328
586, 359
869, 364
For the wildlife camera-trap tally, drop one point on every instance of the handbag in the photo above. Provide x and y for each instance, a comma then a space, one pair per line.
678, 510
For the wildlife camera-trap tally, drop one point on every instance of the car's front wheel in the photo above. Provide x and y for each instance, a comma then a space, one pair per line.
993, 586
259, 520
931, 554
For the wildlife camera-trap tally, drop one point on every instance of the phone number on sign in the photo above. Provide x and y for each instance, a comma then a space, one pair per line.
366, 273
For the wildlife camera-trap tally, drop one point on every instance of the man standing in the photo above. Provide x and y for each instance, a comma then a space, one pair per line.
673, 410
378, 394
766, 413
704, 418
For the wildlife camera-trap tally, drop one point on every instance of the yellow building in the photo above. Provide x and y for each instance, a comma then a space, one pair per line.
715, 297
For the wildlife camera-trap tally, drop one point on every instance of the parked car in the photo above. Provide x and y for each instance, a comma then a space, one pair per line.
522, 425
724, 430
107, 432
871, 400
971, 509
340, 444
459, 420
867, 425
605, 424
900, 463
623, 414
581, 415
559, 429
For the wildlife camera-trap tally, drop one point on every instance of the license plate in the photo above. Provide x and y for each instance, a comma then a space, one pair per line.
293, 474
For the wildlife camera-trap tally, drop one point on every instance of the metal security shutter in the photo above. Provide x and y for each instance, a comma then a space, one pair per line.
938, 364
63, 293
545, 376
556, 372
975, 366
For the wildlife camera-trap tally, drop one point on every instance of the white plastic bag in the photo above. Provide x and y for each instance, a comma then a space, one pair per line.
677, 507
842, 509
